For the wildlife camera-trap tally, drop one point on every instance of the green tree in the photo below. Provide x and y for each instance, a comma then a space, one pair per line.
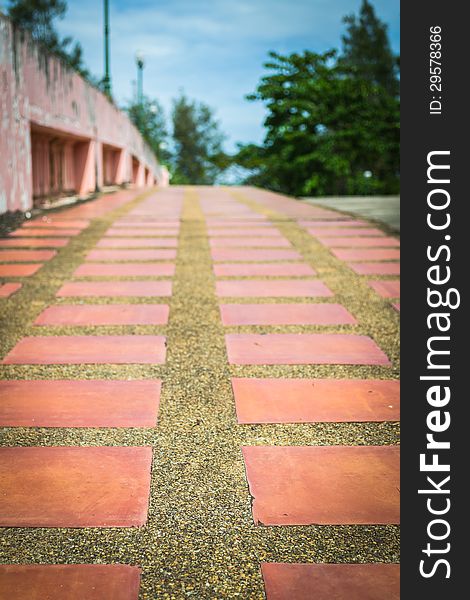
366, 49
198, 156
149, 118
37, 17
331, 128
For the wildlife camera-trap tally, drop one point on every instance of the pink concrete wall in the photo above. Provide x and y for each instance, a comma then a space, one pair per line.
59, 133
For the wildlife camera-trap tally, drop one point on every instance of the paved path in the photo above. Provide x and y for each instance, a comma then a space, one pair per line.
382, 209
199, 399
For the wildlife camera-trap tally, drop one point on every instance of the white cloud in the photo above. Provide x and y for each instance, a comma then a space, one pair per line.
214, 49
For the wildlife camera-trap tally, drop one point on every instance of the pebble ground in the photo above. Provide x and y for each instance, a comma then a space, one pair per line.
200, 540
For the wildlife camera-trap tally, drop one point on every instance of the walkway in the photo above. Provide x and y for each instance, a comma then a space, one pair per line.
199, 400
382, 209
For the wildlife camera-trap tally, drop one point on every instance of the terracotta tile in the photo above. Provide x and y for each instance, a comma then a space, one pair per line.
104, 314
332, 222
323, 232
289, 581
86, 403
316, 400
69, 582
396, 306
23, 270
224, 223
376, 268
244, 254
125, 270
386, 289
218, 213
274, 288
34, 243
140, 232
26, 255
325, 485
303, 349
361, 242
63, 223
367, 254
285, 314
130, 255
146, 223
143, 242
250, 242
263, 270
74, 350
244, 231
215, 226
44, 232
144, 289
74, 486
7, 289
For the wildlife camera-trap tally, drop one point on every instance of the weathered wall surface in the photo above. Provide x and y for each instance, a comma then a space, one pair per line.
58, 134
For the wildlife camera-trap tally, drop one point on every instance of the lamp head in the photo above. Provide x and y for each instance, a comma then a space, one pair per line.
139, 59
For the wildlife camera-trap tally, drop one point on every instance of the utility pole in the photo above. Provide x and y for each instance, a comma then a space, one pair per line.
107, 77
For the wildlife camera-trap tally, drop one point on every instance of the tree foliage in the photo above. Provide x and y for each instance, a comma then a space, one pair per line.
198, 157
149, 118
332, 124
37, 17
366, 49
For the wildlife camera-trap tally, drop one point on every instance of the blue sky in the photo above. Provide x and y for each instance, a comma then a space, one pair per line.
213, 49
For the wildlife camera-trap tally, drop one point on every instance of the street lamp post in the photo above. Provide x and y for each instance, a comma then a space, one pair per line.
107, 77
139, 59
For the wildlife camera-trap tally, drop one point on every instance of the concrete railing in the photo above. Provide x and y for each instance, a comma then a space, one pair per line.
59, 135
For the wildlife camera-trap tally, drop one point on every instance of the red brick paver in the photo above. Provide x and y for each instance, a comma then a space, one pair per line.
74, 350
250, 242
151, 223
125, 270
74, 486
291, 581
376, 268
140, 232
244, 231
44, 232
7, 289
253, 221
26, 255
285, 314
367, 254
130, 255
142, 242
263, 270
143, 289
34, 243
104, 314
87, 403
229, 254
315, 400
323, 232
277, 288
57, 224
361, 242
69, 582
332, 222
301, 349
326, 485
19, 270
